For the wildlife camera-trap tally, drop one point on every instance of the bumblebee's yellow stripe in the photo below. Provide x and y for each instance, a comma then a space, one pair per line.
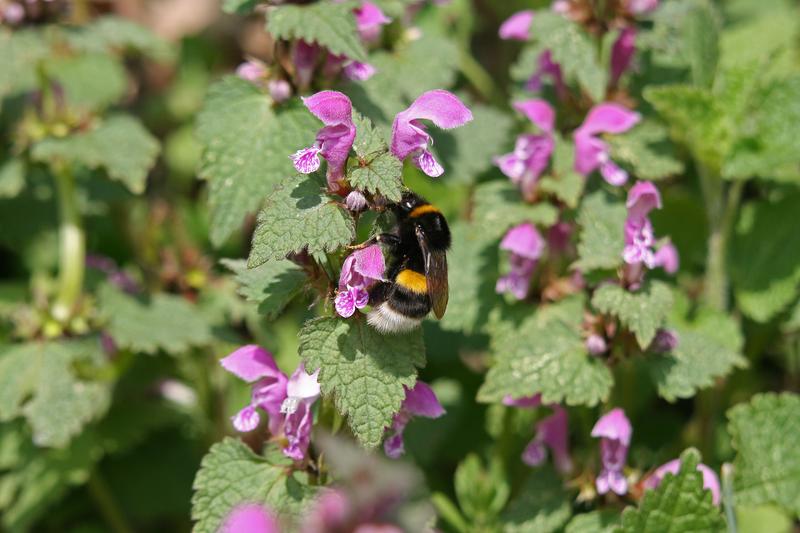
413, 281
422, 209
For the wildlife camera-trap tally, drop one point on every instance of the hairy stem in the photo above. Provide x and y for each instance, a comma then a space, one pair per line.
721, 206
107, 505
72, 246
727, 497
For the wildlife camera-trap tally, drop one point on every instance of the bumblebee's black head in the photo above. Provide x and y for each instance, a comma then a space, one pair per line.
408, 202
414, 211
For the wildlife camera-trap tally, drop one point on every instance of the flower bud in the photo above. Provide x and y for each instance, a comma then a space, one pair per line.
356, 201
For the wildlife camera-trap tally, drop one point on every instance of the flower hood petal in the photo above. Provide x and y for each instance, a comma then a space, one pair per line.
331, 107
609, 118
442, 108
614, 425
517, 26
539, 112
251, 362
523, 240
422, 401
643, 198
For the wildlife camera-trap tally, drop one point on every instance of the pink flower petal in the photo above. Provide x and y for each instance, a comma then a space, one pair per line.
306, 160
250, 518
517, 26
613, 174
535, 453
425, 161
246, 420
357, 71
303, 386
667, 258
524, 240
622, 53
539, 112
609, 118
251, 362
614, 425
344, 304
369, 262
331, 107
422, 401
710, 479
369, 19
643, 198
525, 401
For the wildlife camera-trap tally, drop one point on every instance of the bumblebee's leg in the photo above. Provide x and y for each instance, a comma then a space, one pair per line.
389, 239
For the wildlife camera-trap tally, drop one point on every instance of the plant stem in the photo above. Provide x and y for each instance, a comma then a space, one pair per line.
727, 496
72, 246
478, 77
721, 206
107, 505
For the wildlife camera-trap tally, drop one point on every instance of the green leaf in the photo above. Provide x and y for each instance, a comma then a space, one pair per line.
37, 381
641, 312
120, 145
565, 184
376, 170
601, 219
645, 151
472, 263
696, 119
12, 177
246, 148
765, 257
364, 370
770, 146
545, 353
231, 475
594, 522
402, 75
330, 25
482, 492
542, 505
679, 503
272, 285
240, 7
709, 347
91, 81
34, 478
767, 465
573, 50
162, 322
118, 34
467, 151
700, 30
499, 206
754, 519
299, 215
20, 52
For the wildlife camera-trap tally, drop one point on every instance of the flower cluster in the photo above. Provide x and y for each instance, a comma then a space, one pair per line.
614, 431
420, 401
409, 135
525, 246
362, 269
639, 238
286, 400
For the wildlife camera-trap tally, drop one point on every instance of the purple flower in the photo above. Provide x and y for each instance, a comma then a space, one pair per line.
409, 135
547, 67
665, 341
250, 518
551, 432
355, 201
591, 152
710, 479
331, 512
369, 19
622, 53
526, 246
279, 90
357, 71
639, 238
287, 401
420, 401
531, 153
666, 257
525, 401
304, 58
252, 71
614, 430
596, 344
640, 7
360, 270
114, 275
517, 26
333, 141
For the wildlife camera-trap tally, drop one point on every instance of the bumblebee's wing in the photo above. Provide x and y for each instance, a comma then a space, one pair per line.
435, 274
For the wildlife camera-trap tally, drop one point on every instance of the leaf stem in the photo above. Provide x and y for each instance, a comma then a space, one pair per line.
107, 505
478, 77
72, 246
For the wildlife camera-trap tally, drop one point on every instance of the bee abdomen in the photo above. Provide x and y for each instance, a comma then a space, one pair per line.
405, 306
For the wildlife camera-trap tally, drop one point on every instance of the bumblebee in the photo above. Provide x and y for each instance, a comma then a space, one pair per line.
417, 275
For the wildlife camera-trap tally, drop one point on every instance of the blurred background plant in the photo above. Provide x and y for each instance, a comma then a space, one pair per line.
140, 138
